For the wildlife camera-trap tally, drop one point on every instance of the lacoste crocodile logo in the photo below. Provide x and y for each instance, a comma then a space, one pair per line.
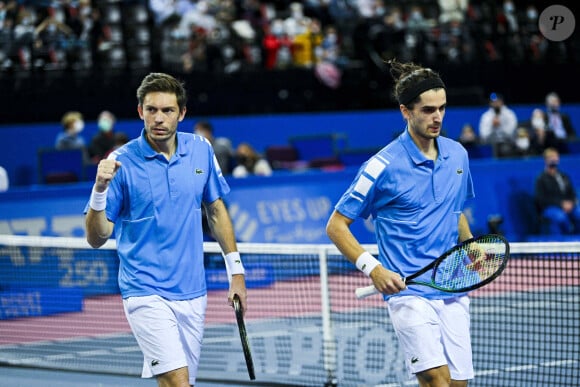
198, 171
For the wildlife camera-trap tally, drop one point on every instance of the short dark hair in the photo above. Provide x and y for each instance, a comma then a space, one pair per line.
164, 83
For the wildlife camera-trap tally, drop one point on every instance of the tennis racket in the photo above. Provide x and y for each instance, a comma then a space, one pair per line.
467, 266
244, 337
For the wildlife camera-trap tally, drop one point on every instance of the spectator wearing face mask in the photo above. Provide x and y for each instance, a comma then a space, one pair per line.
556, 197
250, 162
70, 138
523, 143
104, 141
536, 128
559, 129
497, 126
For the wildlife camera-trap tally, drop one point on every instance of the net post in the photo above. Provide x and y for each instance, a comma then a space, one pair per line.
329, 341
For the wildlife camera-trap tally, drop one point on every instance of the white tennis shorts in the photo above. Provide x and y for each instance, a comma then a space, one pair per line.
169, 333
433, 333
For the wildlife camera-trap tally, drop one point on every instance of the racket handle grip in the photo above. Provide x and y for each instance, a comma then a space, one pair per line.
365, 291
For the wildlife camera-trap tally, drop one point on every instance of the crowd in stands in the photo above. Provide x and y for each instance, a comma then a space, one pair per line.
508, 135
105, 141
242, 161
497, 133
230, 36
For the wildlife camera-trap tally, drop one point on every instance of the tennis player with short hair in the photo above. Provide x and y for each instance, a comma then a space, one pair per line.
150, 192
415, 189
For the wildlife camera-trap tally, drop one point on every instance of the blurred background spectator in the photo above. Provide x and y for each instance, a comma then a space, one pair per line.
72, 125
497, 126
523, 143
250, 162
536, 127
556, 198
119, 139
468, 137
559, 128
104, 141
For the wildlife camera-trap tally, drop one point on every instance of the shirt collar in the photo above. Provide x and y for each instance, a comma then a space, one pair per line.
414, 152
150, 153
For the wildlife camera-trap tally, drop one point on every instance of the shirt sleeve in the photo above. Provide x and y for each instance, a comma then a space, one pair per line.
216, 186
357, 200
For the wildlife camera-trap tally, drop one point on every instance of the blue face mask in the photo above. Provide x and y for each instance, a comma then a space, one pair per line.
553, 164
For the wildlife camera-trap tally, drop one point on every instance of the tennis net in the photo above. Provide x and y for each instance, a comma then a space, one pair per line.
60, 309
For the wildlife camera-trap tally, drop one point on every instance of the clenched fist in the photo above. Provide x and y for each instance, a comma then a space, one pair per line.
105, 172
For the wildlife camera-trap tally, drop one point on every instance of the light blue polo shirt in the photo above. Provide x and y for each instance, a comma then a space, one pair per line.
415, 204
156, 207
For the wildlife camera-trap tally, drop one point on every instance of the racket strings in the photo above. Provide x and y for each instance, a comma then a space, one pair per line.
471, 264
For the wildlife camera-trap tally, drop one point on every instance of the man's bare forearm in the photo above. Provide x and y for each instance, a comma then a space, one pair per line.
99, 228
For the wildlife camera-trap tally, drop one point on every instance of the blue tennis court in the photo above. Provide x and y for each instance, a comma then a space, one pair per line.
287, 347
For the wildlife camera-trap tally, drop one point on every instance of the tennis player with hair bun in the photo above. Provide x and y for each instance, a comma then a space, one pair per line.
415, 189
150, 191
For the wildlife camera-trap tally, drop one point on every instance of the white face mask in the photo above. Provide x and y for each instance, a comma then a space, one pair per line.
79, 126
538, 123
523, 143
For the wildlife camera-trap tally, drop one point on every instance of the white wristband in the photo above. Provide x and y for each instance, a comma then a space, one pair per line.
234, 263
98, 201
366, 263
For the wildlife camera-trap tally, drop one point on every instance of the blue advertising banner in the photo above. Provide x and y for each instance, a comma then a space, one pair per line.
52, 210
294, 207
63, 268
284, 208
17, 303
290, 208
